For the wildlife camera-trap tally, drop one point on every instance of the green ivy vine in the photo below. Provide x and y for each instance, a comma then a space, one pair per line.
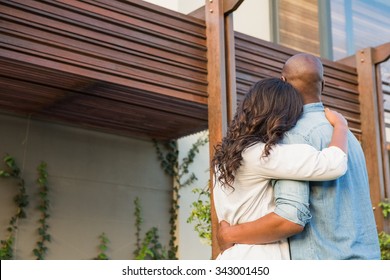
168, 154
138, 222
384, 238
150, 248
201, 214
41, 250
384, 243
11, 170
385, 205
103, 247
169, 163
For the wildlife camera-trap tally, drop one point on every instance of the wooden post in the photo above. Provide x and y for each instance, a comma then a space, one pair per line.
231, 86
221, 79
371, 130
374, 144
217, 107
381, 54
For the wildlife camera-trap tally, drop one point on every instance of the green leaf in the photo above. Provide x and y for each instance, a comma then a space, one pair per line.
4, 173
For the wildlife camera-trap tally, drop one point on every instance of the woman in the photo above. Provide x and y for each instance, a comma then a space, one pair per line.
249, 157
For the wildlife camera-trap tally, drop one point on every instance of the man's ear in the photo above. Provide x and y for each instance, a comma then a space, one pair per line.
322, 85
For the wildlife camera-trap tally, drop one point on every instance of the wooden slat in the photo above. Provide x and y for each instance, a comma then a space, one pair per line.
102, 50
136, 70
152, 13
103, 18
257, 59
56, 54
381, 53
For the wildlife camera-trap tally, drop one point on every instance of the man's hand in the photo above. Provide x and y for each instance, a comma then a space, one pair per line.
223, 230
267, 229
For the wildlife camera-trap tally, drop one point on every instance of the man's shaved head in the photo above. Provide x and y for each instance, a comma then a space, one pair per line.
306, 73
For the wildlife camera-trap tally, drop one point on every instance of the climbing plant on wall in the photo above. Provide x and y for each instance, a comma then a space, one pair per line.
200, 214
41, 249
138, 222
103, 247
21, 200
168, 154
150, 247
384, 238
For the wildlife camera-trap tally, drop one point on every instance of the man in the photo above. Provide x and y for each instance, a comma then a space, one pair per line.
342, 224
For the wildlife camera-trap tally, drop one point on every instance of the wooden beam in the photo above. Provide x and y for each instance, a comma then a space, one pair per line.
231, 86
199, 13
229, 6
217, 104
371, 129
381, 53
349, 60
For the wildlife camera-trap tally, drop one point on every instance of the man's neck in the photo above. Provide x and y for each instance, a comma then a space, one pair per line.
309, 100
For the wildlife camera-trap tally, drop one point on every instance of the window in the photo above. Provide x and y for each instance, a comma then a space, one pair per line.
357, 24
297, 25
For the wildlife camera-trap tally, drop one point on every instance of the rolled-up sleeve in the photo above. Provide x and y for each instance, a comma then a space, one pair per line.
292, 197
292, 201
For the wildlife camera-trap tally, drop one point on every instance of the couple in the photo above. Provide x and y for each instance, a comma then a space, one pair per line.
329, 217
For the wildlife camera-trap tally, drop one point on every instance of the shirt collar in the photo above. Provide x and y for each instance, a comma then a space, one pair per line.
313, 107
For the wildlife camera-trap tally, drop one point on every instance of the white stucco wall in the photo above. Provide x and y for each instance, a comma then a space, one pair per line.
190, 245
252, 17
93, 180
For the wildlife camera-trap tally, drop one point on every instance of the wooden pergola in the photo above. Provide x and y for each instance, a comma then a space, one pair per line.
136, 69
125, 67
353, 87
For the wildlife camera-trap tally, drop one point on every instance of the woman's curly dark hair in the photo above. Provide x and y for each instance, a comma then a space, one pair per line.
270, 108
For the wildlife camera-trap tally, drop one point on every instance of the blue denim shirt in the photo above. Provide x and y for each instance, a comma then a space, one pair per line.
340, 222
